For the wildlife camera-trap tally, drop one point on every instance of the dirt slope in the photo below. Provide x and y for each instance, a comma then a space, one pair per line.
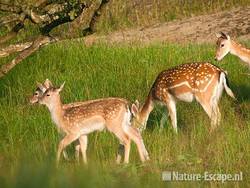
198, 29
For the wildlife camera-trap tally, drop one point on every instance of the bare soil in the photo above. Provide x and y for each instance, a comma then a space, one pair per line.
199, 29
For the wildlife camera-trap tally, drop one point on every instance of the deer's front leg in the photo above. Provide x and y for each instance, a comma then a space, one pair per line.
68, 139
65, 155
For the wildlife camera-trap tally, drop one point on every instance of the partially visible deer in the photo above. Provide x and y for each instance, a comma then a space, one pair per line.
226, 45
201, 81
79, 121
41, 88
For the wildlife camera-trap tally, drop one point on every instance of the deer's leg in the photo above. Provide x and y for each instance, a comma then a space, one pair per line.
127, 151
215, 101
171, 106
83, 144
65, 155
206, 106
64, 143
216, 115
120, 153
126, 146
211, 108
77, 151
164, 118
135, 135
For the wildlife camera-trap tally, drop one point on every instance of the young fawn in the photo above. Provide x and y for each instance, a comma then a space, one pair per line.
79, 121
41, 88
201, 81
226, 45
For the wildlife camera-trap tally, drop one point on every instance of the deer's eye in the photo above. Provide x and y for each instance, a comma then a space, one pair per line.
36, 93
48, 95
222, 45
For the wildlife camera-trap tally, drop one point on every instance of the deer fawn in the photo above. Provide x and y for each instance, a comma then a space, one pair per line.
202, 81
225, 45
79, 121
41, 88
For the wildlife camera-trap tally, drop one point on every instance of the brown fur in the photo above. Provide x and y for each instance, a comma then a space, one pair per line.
185, 82
78, 121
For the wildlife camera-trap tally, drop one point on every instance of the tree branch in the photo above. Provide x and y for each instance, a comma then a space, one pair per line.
14, 48
97, 15
10, 8
12, 33
40, 41
47, 15
9, 19
86, 22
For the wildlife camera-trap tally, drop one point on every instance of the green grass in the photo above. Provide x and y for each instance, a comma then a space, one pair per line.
28, 138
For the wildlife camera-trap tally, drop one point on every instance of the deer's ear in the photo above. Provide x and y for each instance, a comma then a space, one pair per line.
61, 87
224, 36
47, 83
134, 109
40, 86
228, 37
137, 103
218, 35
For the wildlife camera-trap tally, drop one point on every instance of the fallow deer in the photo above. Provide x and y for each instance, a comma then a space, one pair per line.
201, 81
41, 88
226, 45
79, 121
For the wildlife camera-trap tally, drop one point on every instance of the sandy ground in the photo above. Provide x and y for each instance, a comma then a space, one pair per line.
199, 29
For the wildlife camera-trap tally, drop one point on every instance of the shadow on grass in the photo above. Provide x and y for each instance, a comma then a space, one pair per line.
242, 93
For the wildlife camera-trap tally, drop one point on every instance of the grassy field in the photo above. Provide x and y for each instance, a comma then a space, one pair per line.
28, 138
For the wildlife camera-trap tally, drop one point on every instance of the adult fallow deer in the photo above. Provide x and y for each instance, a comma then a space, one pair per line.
201, 81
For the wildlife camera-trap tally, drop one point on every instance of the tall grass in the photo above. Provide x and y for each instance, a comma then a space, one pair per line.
28, 138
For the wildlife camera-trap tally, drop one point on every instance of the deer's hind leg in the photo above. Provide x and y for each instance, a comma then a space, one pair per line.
164, 117
210, 106
120, 153
169, 101
83, 144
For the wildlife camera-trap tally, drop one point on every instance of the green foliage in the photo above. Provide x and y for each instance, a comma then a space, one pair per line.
28, 138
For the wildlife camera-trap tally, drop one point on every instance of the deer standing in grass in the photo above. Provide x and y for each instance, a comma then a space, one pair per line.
41, 88
201, 81
226, 45
79, 121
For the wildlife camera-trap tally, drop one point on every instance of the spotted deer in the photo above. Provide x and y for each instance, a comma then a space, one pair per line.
41, 88
201, 81
79, 121
226, 45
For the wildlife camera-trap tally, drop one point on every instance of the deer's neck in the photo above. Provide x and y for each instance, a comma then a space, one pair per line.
146, 109
57, 112
240, 51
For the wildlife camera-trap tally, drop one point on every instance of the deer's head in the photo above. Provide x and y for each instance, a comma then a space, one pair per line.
41, 88
51, 96
138, 121
223, 44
